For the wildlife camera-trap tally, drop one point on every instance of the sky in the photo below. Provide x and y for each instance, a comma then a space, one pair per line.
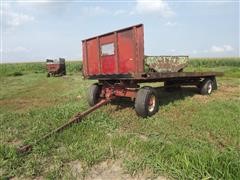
33, 30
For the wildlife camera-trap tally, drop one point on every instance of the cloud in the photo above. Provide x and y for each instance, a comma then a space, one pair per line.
170, 24
20, 49
220, 49
228, 48
14, 19
36, 2
194, 52
160, 7
119, 12
93, 11
18, 19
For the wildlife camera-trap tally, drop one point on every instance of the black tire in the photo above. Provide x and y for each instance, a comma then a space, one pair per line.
215, 87
48, 74
93, 96
151, 89
206, 87
64, 70
142, 106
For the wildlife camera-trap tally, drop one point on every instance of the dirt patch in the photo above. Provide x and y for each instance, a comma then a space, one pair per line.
76, 168
223, 93
231, 91
220, 143
21, 178
15, 142
26, 104
110, 169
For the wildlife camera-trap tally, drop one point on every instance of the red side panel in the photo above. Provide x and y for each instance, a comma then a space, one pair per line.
126, 51
118, 52
108, 65
108, 61
53, 67
92, 49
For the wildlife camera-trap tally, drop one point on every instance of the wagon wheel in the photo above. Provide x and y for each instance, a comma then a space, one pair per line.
93, 96
146, 103
206, 87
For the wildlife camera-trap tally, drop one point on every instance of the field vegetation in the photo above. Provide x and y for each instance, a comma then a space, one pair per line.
191, 137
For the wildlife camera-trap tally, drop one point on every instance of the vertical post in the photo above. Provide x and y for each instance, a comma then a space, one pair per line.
141, 49
99, 57
116, 51
85, 56
135, 49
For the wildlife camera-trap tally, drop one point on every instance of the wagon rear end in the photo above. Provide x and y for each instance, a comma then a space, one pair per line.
56, 67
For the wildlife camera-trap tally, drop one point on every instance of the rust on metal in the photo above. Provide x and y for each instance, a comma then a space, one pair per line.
165, 63
75, 119
121, 52
118, 91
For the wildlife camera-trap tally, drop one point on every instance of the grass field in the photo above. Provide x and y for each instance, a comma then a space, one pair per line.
191, 137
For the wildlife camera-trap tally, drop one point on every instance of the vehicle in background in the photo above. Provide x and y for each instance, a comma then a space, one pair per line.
56, 67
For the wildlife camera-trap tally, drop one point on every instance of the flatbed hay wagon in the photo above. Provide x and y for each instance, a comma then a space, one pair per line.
117, 61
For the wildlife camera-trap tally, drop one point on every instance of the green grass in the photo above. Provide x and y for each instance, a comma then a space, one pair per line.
214, 62
191, 137
76, 66
38, 67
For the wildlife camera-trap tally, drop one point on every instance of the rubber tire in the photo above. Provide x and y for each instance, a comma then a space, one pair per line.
151, 89
48, 75
93, 95
204, 87
215, 86
141, 102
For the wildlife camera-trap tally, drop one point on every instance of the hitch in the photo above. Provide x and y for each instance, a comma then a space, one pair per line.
75, 119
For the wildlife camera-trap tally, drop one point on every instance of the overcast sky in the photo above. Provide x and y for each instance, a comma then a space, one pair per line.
36, 30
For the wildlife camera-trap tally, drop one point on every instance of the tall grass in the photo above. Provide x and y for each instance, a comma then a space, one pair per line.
76, 66
23, 68
214, 62
38, 67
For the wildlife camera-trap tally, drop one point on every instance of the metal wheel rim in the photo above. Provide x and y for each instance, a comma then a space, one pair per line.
151, 103
209, 88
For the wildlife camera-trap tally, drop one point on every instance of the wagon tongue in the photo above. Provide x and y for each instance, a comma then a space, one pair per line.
24, 149
75, 119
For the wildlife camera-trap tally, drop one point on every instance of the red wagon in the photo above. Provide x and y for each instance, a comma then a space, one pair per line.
117, 61
56, 67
